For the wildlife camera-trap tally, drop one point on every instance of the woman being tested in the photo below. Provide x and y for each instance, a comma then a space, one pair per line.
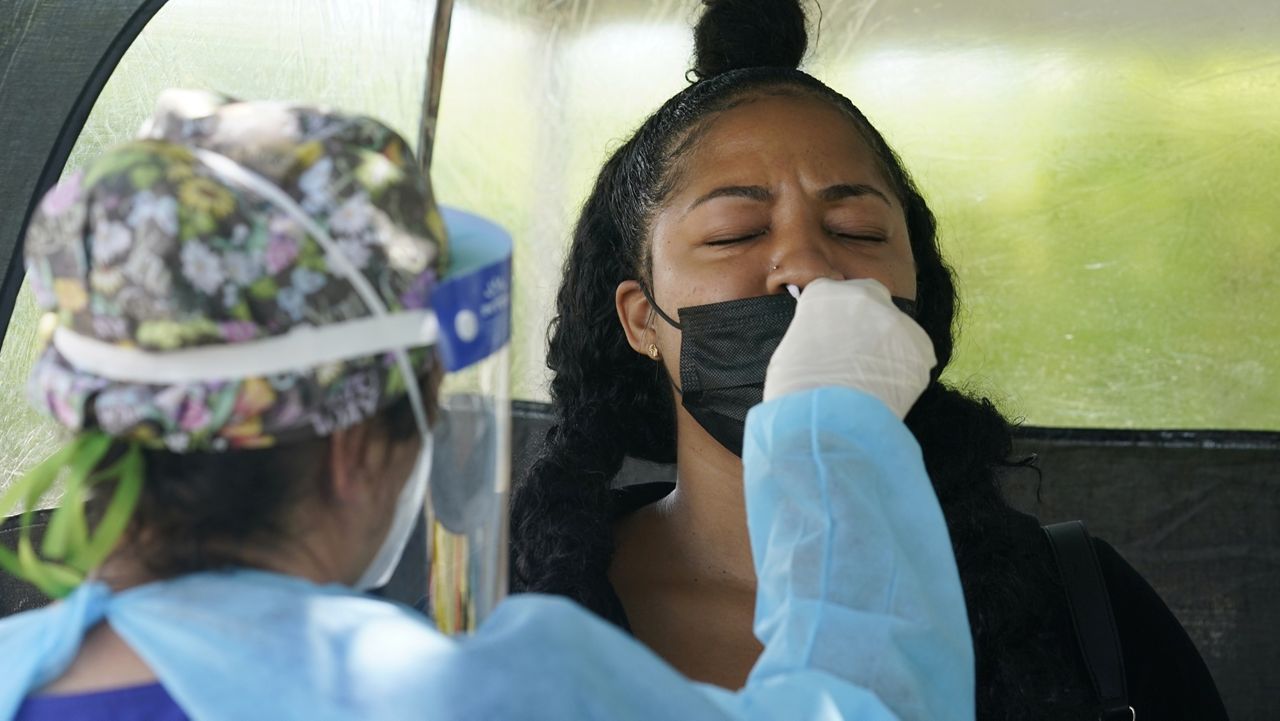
243, 344
735, 196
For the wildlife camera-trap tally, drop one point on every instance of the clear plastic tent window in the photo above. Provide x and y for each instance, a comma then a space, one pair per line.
1104, 174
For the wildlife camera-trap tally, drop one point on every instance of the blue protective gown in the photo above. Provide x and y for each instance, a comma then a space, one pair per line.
859, 608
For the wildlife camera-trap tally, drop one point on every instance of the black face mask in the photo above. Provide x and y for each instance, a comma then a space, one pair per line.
724, 352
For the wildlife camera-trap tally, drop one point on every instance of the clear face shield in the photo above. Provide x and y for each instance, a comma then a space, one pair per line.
462, 476
461, 480
470, 476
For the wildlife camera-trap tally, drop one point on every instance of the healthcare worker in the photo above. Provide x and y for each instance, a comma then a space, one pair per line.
249, 311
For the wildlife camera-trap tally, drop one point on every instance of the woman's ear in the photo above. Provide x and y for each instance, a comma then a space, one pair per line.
635, 314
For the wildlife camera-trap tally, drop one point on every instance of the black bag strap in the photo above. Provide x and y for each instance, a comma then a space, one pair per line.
1091, 614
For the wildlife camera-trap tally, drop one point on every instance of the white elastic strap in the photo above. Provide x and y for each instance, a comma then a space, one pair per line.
338, 261
302, 347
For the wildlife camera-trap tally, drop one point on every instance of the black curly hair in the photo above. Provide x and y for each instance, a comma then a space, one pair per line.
611, 402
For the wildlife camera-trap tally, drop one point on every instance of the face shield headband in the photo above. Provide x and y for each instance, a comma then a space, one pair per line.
724, 354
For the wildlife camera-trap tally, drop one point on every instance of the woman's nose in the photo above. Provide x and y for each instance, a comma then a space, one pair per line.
800, 257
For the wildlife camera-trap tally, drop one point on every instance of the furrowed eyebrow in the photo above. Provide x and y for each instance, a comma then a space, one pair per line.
854, 190
750, 192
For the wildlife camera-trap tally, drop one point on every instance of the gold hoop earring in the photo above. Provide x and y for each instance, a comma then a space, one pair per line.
653, 352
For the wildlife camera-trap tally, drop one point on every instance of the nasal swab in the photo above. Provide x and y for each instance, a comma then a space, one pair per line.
794, 291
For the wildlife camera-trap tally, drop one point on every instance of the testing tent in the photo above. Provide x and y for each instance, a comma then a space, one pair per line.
1185, 483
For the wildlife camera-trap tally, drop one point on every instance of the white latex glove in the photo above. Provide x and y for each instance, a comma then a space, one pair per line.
849, 333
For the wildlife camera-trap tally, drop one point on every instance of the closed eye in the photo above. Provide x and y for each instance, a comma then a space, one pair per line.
859, 237
735, 239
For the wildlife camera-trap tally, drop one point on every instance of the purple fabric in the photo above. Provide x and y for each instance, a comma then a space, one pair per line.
136, 703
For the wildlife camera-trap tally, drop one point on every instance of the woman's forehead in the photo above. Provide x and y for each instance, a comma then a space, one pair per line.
771, 137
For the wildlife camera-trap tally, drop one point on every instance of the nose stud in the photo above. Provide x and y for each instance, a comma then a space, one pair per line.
774, 268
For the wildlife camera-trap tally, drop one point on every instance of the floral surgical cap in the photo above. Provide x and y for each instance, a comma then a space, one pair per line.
152, 248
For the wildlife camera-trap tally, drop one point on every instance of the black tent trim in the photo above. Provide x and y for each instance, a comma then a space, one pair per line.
542, 413
1205, 439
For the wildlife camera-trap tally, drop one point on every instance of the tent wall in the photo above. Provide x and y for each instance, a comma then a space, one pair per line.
1100, 173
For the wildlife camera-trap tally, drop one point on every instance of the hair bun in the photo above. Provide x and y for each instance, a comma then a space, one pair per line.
733, 34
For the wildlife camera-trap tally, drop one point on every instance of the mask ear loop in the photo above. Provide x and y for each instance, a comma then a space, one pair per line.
654, 304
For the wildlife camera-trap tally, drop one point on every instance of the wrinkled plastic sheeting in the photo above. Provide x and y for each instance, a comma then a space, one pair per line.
1103, 173
37, 86
365, 57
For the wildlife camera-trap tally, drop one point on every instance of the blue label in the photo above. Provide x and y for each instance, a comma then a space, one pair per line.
473, 301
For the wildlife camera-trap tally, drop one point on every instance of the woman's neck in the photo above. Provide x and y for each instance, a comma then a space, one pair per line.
707, 511
682, 567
